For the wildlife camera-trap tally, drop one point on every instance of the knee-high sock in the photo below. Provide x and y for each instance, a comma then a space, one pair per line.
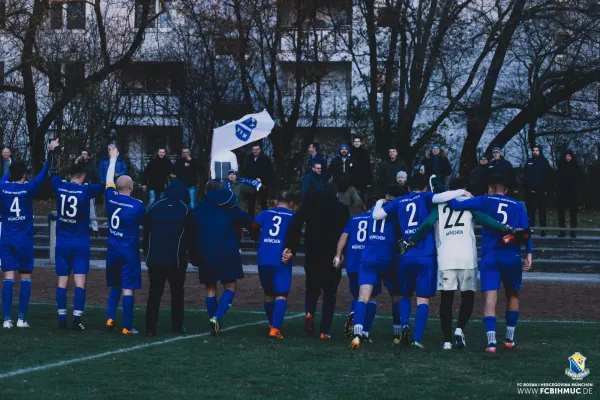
511, 323
421, 321
224, 303
211, 306
7, 297
396, 318
113, 302
78, 303
328, 310
61, 303
269, 306
24, 296
371, 312
466, 308
405, 306
490, 328
446, 314
360, 311
128, 312
279, 312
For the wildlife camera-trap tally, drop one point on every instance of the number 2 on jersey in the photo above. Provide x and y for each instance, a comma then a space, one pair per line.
449, 225
412, 207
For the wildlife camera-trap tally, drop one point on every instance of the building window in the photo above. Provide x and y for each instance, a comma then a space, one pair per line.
153, 77
55, 77
139, 8
76, 15
228, 47
56, 15
2, 14
166, 19
74, 73
388, 17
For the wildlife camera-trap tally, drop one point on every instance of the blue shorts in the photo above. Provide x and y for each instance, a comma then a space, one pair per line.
501, 266
17, 257
353, 284
275, 281
372, 274
72, 259
418, 274
123, 270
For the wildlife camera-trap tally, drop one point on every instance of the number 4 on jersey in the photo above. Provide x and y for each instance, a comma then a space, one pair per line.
14, 207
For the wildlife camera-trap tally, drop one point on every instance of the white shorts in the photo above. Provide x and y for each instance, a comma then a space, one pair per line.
451, 279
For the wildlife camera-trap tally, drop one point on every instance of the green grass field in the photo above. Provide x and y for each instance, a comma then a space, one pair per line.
43, 362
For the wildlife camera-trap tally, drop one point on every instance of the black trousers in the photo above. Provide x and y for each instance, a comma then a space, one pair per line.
571, 204
159, 275
321, 278
262, 195
536, 201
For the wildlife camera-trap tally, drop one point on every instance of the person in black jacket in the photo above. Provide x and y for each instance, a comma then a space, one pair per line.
568, 176
169, 241
388, 169
325, 219
436, 163
157, 175
478, 179
537, 184
258, 167
187, 169
362, 177
342, 167
312, 182
500, 166
314, 157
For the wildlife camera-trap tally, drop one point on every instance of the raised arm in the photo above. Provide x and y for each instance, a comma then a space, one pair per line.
35, 184
110, 172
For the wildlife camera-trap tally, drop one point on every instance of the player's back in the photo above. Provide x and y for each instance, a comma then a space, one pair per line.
125, 215
413, 210
274, 223
380, 246
507, 211
73, 208
17, 211
357, 229
455, 238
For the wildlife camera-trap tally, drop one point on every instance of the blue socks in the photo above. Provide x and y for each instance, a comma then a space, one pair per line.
7, 297
490, 328
421, 321
279, 312
371, 311
396, 318
61, 303
269, 306
224, 303
24, 295
78, 303
128, 312
511, 322
113, 302
360, 311
211, 306
405, 306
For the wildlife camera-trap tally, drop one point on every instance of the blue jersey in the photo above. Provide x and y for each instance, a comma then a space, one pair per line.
73, 209
274, 224
380, 247
413, 209
17, 208
125, 215
356, 229
505, 210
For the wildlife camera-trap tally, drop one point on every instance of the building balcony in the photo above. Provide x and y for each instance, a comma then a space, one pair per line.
332, 45
146, 109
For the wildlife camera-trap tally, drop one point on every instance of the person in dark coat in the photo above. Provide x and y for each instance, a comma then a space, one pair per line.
569, 176
362, 177
388, 169
325, 219
312, 182
478, 179
157, 175
187, 169
169, 239
258, 167
537, 184
342, 167
436, 163
314, 157
218, 254
500, 166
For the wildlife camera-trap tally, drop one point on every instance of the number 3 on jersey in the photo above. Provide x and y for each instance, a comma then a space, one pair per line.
274, 231
72, 200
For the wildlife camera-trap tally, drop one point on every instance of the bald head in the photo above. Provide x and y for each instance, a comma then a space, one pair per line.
124, 184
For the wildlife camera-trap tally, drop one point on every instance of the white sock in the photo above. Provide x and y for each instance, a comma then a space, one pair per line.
458, 332
358, 329
510, 332
397, 330
365, 334
491, 335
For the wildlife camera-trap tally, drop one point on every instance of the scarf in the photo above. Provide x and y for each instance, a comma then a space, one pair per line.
257, 185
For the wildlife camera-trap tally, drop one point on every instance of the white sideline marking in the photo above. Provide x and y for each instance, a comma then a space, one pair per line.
127, 350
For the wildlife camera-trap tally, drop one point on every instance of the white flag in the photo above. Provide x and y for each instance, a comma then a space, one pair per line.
249, 128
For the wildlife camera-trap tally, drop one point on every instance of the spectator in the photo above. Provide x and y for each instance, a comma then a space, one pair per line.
401, 178
537, 183
436, 163
187, 169
6, 161
120, 166
258, 167
390, 168
242, 188
315, 157
91, 177
569, 176
221, 164
341, 167
156, 176
312, 182
478, 179
348, 196
361, 170
499, 166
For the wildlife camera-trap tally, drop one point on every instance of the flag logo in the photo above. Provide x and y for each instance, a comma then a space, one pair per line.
243, 130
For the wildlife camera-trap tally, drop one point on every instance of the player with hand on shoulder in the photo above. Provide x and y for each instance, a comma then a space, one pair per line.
123, 264
275, 275
73, 199
16, 243
500, 261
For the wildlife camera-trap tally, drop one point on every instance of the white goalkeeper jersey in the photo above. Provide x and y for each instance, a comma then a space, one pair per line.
455, 238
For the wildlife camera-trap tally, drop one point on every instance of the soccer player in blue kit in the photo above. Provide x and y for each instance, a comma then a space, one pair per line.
500, 262
275, 275
16, 243
72, 241
123, 264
